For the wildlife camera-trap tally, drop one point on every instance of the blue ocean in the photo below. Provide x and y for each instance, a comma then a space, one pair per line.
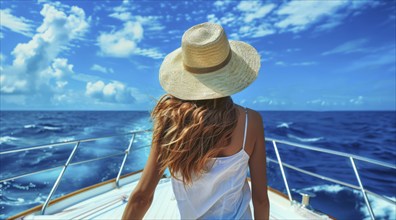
370, 134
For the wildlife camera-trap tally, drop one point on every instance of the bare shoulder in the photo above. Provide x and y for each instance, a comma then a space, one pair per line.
255, 119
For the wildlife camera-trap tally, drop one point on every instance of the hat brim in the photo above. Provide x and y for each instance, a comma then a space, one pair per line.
239, 73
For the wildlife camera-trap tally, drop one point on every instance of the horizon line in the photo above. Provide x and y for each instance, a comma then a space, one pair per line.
279, 110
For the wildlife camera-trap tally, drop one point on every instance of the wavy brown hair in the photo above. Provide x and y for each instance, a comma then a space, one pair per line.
188, 134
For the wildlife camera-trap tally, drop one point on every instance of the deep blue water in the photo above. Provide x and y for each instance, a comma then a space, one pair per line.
368, 134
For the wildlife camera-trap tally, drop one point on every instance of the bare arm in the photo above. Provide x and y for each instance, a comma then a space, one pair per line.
141, 198
257, 166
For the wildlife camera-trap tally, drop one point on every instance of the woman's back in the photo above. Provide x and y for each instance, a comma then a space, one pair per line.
222, 191
235, 145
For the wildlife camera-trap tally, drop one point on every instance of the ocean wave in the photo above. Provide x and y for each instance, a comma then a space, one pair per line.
284, 125
40, 158
382, 208
29, 126
328, 188
11, 201
6, 139
21, 187
41, 128
66, 139
51, 128
391, 198
305, 139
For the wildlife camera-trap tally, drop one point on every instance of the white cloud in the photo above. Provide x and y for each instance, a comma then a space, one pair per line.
51, 80
252, 10
358, 5
262, 30
71, 97
268, 101
10, 84
139, 96
375, 59
61, 68
299, 15
256, 30
102, 69
255, 19
212, 18
296, 16
255, 11
222, 4
123, 7
319, 102
151, 24
353, 46
17, 24
61, 98
227, 19
357, 101
290, 50
123, 42
246, 19
248, 5
114, 92
61, 84
330, 23
234, 36
336, 101
32, 67
123, 16
152, 53
306, 63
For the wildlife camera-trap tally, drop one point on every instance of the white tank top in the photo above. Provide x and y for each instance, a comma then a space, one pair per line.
221, 193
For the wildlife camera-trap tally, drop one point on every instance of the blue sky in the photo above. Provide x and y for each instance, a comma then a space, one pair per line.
105, 55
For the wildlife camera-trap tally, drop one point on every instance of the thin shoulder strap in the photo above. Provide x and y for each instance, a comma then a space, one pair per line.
245, 132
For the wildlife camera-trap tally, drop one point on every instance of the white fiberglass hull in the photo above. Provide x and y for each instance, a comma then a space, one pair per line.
105, 201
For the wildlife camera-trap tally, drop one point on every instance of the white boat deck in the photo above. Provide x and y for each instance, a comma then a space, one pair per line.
111, 204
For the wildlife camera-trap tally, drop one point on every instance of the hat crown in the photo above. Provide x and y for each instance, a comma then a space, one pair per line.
205, 45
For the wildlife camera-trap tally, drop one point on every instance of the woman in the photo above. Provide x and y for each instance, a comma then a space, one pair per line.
207, 142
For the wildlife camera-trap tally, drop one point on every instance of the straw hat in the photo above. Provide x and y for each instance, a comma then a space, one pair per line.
208, 66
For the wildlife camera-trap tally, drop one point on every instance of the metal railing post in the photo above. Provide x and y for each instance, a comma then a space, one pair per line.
124, 160
282, 171
59, 178
362, 188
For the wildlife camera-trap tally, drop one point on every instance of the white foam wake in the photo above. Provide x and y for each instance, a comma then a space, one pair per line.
30, 126
382, 209
305, 139
7, 139
65, 139
327, 188
52, 128
22, 187
284, 125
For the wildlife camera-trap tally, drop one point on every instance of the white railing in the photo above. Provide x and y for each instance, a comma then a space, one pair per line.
352, 159
70, 158
274, 142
